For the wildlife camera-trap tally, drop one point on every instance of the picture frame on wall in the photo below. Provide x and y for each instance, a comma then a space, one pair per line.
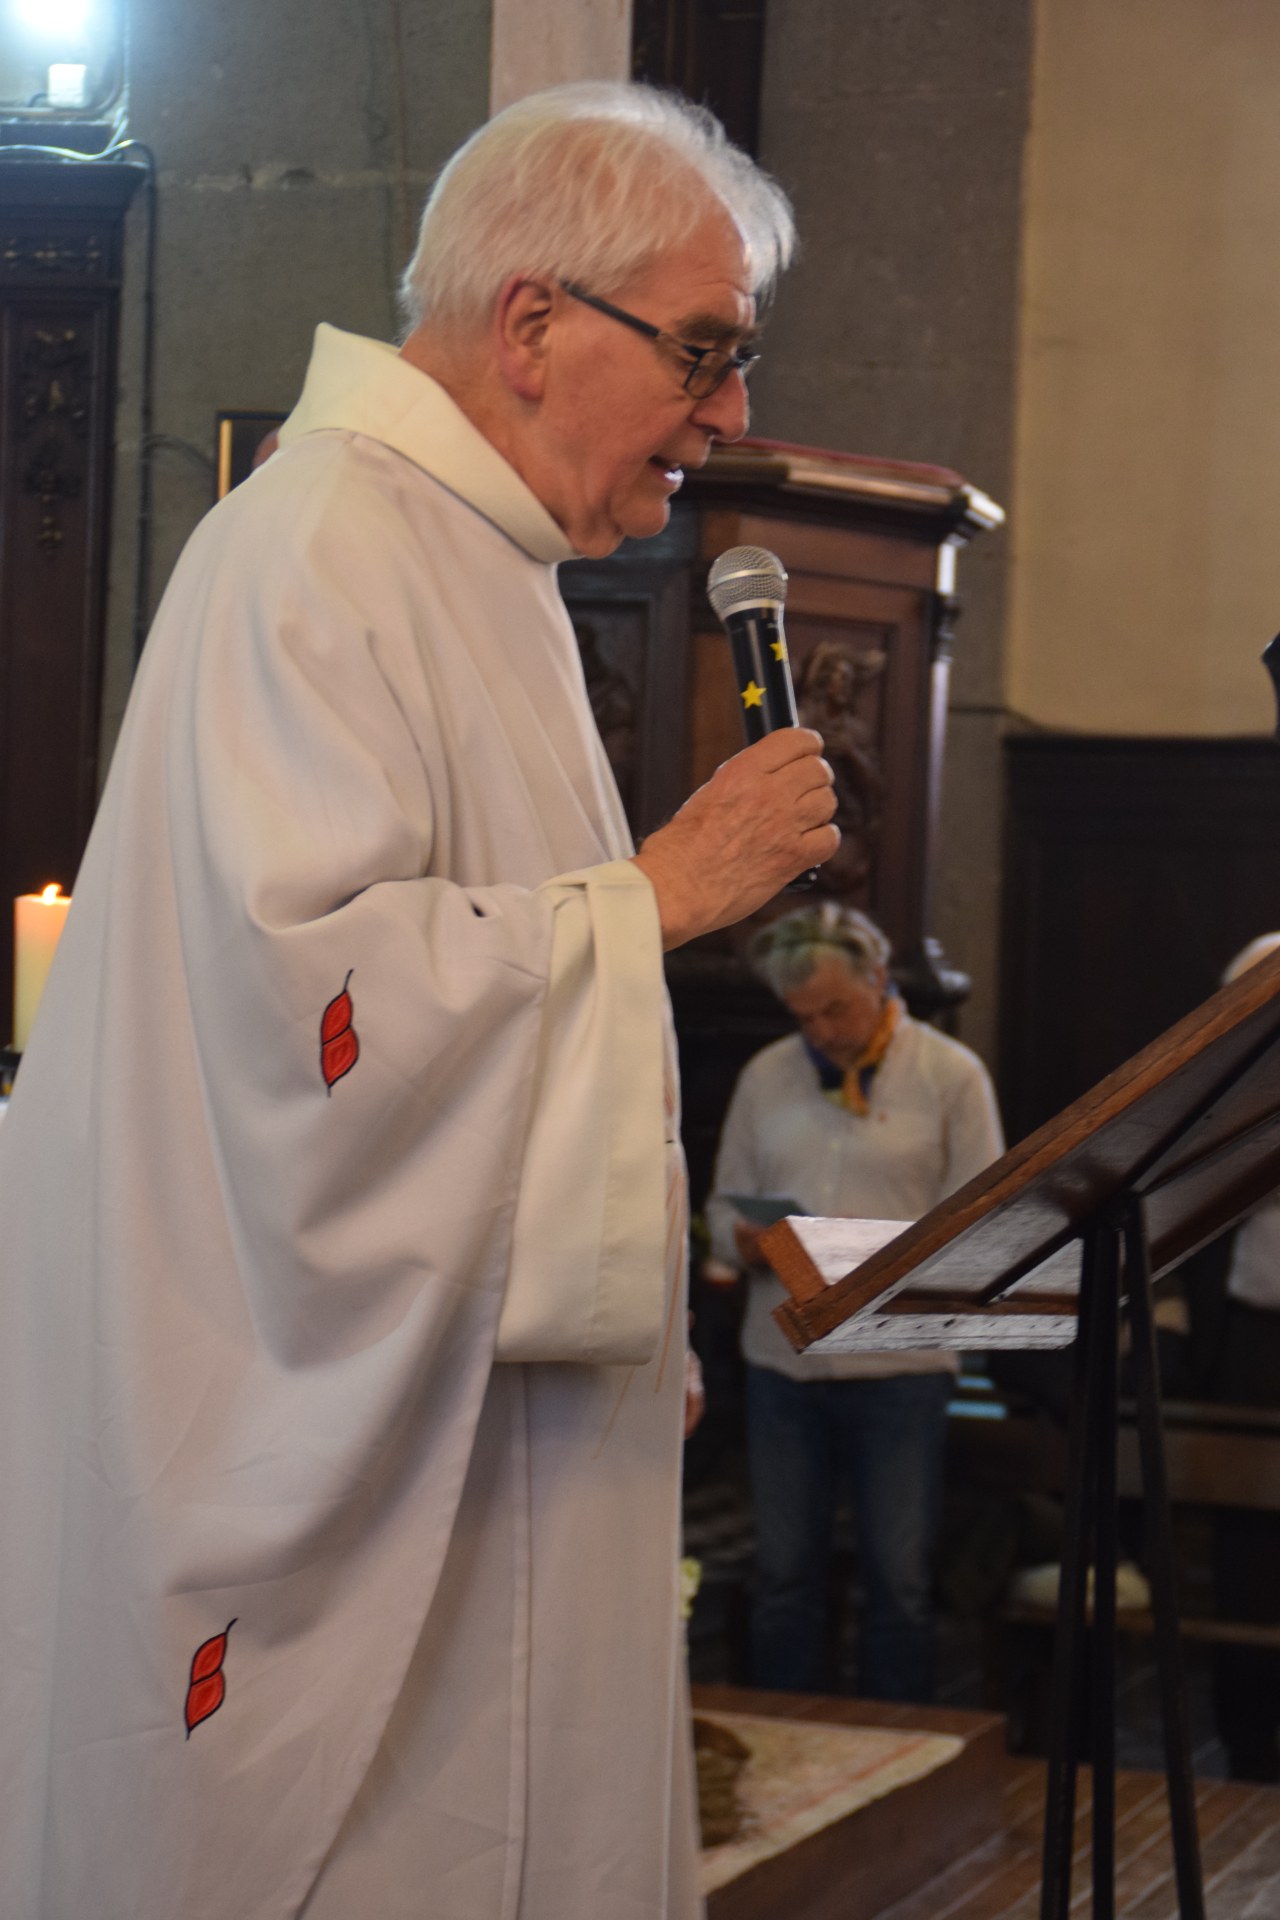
239, 437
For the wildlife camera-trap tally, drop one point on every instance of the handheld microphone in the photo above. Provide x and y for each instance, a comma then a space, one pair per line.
747, 588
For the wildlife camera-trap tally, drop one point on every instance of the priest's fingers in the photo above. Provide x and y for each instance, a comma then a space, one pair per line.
762, 818
779, 749
783, 765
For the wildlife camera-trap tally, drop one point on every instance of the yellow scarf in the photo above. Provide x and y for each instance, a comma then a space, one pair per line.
856, 1088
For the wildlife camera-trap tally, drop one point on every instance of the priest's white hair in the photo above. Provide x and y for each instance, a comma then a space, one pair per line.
592, 183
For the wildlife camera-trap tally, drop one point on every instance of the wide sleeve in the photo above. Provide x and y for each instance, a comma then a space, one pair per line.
395, 1063
588, 1251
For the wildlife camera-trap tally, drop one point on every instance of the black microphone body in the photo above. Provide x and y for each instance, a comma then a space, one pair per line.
759, 649
747, 587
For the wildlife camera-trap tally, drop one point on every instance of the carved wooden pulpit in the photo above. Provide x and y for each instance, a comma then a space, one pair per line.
870, 548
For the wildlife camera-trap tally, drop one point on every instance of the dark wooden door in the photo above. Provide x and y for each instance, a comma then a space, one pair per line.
60, 255
1134, 870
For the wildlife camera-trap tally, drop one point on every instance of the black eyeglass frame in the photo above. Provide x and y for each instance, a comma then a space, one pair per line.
710, 367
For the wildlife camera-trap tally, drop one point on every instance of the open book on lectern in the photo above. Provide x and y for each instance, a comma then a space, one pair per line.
1191, 1126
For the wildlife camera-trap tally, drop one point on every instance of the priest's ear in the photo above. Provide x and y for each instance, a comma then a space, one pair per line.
521, 325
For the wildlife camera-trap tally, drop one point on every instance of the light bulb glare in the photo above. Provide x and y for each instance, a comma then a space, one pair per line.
64, 20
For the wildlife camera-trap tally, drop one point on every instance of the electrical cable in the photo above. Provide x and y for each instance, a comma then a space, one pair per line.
173, 443
146, 401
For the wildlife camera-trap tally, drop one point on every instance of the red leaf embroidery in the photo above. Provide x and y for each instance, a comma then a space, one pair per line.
204, 1698
339, 1047
207, 1687
337, 1015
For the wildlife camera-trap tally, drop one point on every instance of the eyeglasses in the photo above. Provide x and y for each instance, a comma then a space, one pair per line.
708, 367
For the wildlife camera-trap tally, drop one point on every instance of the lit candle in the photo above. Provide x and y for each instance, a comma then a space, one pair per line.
38, 920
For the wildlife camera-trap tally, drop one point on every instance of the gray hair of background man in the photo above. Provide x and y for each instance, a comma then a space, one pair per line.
785, 953
591, 183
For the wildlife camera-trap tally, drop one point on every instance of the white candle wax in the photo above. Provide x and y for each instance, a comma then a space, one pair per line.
38, 920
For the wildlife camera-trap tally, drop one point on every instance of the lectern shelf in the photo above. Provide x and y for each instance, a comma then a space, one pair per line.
1190, 1126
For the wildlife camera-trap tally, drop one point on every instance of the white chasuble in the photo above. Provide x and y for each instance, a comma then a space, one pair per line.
342, 1315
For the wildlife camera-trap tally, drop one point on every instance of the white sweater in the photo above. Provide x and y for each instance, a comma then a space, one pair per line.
933, 1124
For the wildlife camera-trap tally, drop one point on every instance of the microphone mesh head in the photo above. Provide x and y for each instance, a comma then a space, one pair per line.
746, 577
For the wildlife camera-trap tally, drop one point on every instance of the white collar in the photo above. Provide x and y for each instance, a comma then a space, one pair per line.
364, 386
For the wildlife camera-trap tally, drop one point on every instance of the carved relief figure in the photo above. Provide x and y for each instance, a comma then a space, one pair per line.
836, 685
54, 374
613, 704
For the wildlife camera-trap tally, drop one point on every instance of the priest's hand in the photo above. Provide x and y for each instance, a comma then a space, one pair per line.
761, 819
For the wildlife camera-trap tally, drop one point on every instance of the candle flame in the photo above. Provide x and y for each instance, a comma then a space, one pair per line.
52, 893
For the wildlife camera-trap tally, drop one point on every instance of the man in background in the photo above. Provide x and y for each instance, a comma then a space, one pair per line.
864, 1112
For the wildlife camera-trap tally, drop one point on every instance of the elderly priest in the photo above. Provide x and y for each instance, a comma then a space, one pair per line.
342, 1313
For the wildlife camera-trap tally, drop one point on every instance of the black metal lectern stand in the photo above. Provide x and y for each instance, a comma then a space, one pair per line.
1116, 1278
1160, 1158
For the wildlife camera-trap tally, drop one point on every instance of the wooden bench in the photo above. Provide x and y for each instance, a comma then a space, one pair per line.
1217, 1457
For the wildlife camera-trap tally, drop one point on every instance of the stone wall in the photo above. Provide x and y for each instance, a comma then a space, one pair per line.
899, 128
1147, 500
294, 141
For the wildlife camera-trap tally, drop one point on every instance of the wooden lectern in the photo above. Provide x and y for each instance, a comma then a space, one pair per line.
1160, 1158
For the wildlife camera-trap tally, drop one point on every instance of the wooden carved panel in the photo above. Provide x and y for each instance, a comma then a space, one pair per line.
1134, 870
56, 445
631, 616
866, 634
709, 50
60, 250
41, 252
611, 642
55, 383
839, 671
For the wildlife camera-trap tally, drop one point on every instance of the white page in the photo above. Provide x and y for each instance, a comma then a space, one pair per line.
837, 1246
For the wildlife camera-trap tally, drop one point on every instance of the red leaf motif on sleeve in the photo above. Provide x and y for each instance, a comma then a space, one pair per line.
207, 1687
339, 1047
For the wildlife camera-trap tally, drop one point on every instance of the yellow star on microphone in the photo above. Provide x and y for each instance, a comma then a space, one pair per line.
779, 648
752, 695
